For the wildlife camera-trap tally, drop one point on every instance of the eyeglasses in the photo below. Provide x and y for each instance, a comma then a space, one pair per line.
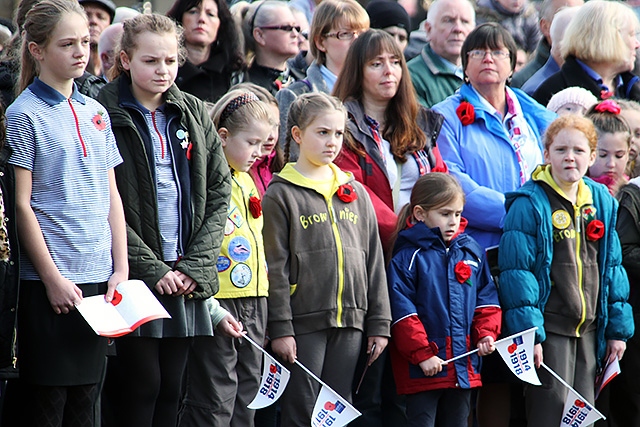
287, 28
343, 35
494, 54
305, 34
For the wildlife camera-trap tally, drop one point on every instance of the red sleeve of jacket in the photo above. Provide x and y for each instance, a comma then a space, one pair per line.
347, 160
487, 321
410, 339
440, 166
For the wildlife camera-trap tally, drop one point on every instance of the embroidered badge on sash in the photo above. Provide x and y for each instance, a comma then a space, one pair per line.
229, 227
241, 275
223, 263
235, 216
239, 249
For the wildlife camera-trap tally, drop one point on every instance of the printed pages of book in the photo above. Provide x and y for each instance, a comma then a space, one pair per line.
133, 304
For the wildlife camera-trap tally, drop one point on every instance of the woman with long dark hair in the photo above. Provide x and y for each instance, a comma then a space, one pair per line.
215, 58
393, 137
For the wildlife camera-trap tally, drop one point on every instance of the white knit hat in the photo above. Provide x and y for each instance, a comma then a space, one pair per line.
572, 95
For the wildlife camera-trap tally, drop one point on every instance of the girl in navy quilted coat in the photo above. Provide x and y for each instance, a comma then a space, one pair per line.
443, 301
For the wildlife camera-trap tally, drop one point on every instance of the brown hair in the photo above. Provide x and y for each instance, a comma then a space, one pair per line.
606, 122
265, 96
133, 27
40, 22
234, 118
571, 121
401, 129
305, 109
489, 35
430, 191
330, 14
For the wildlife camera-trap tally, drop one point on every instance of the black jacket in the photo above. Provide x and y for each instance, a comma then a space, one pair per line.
209, 80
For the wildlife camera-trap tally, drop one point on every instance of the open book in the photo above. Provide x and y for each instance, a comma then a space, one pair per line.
133, 304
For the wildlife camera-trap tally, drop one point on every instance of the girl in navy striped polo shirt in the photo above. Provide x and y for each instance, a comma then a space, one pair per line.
69, 215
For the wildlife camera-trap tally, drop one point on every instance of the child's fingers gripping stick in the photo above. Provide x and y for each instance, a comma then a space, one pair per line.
486, 346
431, 366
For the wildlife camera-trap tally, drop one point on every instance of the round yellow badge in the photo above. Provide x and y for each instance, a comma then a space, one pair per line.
560, 219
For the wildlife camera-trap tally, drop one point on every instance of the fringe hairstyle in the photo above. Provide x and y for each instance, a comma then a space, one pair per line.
571, 121
430, 191
133, 27
305, 109
40, 22
401, 128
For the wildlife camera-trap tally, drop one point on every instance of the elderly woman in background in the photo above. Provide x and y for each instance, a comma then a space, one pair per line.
491, 137
215, 59
599, 47
491, 141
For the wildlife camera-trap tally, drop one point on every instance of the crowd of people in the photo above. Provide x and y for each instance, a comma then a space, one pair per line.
359, 194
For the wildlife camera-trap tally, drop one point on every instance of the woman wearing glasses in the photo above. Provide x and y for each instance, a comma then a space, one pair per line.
271, 37
334, 27
215, 58
491, 141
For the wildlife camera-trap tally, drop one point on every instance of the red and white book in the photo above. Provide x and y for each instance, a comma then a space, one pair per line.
133, 304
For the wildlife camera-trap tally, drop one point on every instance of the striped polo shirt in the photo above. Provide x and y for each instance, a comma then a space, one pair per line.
168, 190
69, 147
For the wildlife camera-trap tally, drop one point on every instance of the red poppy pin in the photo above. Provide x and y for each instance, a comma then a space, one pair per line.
595, 230
466, 113
189, 147
255, 206
608, 106
463, 272
605, 94
98, 121
346, 193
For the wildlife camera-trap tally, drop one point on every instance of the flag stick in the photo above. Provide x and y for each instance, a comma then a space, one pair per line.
564, 383
255, 344
500, 340
297, 363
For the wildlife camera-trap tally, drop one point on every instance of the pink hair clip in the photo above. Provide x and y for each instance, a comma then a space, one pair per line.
608, 106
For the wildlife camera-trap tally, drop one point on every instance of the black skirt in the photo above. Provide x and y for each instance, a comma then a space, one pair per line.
57, 349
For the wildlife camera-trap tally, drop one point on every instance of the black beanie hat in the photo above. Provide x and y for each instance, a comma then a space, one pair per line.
388, 13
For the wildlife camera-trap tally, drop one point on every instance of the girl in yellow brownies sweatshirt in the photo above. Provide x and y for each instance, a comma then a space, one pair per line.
326, 268
223, 373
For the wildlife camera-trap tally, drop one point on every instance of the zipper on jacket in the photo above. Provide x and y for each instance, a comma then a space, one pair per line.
176, 176
155, 127
338, 240
75, 118
583, 302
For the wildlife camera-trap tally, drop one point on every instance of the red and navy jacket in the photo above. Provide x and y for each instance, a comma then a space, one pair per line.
436, 312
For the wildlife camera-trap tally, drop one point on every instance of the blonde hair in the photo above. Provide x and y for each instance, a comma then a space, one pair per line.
236, 110
40, 22
134, 27
595, 32
331, 14
305, 109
